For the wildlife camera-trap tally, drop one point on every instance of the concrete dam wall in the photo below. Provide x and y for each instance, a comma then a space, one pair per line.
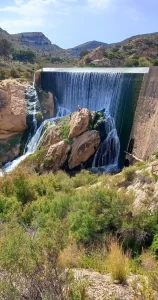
144, 135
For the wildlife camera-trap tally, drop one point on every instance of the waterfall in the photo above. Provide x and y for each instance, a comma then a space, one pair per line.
107, 155
34, 118
115, 90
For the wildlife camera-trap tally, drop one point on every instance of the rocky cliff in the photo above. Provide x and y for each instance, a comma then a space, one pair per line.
13, 114
37, 42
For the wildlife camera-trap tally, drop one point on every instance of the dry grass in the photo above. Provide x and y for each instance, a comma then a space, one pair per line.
71, 256
117, 261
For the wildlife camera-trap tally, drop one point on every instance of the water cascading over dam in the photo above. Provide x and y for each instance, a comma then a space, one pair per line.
114, 89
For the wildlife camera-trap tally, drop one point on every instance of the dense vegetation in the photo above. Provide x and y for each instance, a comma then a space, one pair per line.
52, 222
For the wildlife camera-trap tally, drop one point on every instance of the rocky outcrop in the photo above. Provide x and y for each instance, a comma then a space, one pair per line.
79, 122
47, 104
12, 109
32, 39
57, 155
9, 149
51, 136
84, 147
13, 113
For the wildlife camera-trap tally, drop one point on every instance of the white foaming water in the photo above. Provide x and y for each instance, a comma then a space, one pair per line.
34, 117
108, 152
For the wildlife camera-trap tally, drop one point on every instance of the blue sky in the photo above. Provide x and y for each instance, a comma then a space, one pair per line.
68, 23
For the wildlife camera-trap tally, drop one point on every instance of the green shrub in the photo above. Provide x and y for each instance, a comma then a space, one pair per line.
129, 174
65, 129
13, 73
24, 191
83, 178
48, 162
98, 211
131, 62
2, 74
144, 62
154, 246
31, 260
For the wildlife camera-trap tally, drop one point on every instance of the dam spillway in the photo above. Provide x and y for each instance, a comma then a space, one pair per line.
114, 89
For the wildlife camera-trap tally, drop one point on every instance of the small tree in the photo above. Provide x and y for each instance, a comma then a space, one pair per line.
144, 62
5, 48
131, 62
24, 56
83, 53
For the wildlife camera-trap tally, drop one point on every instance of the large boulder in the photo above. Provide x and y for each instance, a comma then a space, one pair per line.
51, 136
13, 109
84, 147
79, 122
57, 155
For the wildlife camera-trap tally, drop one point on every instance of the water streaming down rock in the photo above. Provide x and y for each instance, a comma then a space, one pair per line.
107, 155
35, 141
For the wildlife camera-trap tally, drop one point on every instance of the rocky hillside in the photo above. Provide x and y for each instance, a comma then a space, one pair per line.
141, 50
15, 43
38, 42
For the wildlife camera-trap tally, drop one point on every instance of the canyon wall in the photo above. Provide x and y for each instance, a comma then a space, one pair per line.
144, 135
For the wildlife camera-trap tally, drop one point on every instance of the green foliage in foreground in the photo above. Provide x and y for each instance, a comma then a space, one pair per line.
39, 214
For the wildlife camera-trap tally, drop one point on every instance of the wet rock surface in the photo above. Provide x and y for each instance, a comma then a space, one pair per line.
84, 147
57, 155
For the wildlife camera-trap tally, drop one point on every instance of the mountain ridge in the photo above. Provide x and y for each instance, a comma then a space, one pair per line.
145, 45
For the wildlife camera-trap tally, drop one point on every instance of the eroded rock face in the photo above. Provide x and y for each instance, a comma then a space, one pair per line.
12, 109
58, 154
84, 147
52, 136
9, 149
79, 122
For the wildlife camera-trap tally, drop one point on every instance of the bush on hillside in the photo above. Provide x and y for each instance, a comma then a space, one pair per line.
13, 73
144, 62
117, 261
131, 62
2, 74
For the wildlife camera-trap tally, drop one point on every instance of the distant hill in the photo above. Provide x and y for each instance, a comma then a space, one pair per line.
86, 46
38, 42
140, 50
15, 43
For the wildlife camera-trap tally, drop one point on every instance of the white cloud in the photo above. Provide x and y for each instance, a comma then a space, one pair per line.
29, 8
14, 26
30, 14
99, 4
